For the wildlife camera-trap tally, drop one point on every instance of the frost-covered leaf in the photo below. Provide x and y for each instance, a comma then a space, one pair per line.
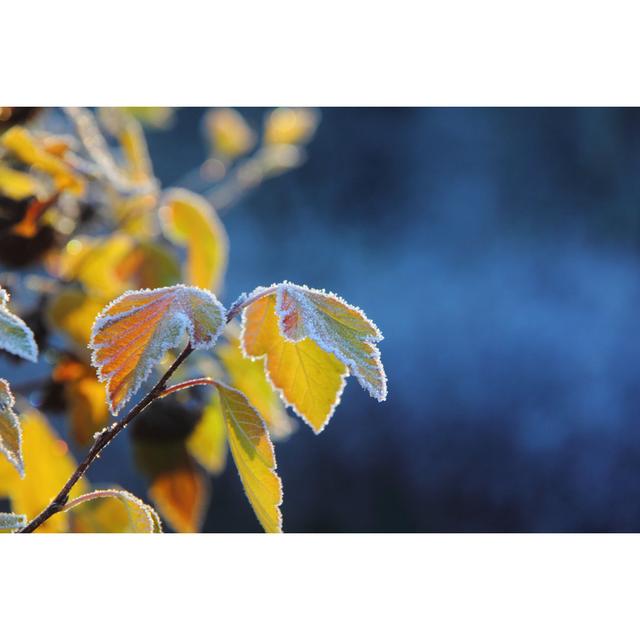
189, 220
253, 454
132, 334
309, 379
10, 431
229, 134
249, 376
15, 336
32, 152
290, 126
85, 398
208, 441
181, 495
88, 513
12, 521
49, 465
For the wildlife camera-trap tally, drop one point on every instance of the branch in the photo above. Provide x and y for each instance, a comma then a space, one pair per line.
160, 390
102, 440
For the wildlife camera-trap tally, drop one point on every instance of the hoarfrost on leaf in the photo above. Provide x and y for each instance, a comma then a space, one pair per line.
15, 335
132, 334
310, 341
10, 430
12, 521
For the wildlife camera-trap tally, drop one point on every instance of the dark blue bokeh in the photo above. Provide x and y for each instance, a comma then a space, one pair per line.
498, 250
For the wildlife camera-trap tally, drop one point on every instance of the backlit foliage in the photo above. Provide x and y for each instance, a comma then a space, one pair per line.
113, 276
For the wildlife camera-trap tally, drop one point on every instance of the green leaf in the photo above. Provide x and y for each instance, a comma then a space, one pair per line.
15, 336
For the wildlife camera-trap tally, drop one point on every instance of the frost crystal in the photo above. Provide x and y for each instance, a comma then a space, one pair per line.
132, 334
337, 327
12, 521
15, 335
10, 431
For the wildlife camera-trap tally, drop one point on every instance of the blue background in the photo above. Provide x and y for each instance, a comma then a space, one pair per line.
498, 251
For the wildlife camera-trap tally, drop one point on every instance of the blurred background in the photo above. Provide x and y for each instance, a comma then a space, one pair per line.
498, 250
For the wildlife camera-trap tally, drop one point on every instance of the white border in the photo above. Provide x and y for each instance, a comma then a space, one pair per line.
285, 52
320, 586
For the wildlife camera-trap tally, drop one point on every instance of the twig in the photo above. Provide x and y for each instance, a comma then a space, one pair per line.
105, 436
101, 441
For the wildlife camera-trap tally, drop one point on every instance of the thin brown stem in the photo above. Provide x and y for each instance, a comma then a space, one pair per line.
195, 382
160, 390
102, 440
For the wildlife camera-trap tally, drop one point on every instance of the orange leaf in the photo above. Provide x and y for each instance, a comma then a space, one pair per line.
181, 495
132, 334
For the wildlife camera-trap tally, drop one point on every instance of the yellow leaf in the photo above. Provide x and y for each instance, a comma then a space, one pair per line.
181, 495
148, 266
85, 398
18, 184
112, 511
335, 326
189, 220
132, 140
21, 143
96, 264
208, 441
72, 312
249, 376
10, 431
310, 379
229, 133
136, 215
290, 126
132, 334
253, 454
49, 465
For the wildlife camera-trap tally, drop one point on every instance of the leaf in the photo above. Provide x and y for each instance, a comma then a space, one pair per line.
95, 263
132, 334
85, 398
22, 144
229, 134
208, 441
101, 512
12, 521
10, 432
129, 132
309, 379
181, 495
47, 458
17, 184
15, 336
335, 326
189, 220
290, 126
249, 376
72, 312
253, 454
